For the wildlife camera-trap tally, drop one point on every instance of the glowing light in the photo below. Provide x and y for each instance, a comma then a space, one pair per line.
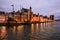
37, 27
3, 32
14, 28
3, 29
20, 28
32, 28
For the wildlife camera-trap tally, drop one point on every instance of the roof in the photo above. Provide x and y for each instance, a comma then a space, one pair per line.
24, 9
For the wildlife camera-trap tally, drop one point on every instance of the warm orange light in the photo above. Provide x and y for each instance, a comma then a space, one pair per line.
3, 32
35, 19
20, 27
14, 28
3, 29
37, 27
41, 27
32, 28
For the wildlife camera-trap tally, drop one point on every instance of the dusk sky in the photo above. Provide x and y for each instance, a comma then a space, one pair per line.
44, 7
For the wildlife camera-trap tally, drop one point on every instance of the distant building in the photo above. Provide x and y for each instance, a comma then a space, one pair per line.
25, 15
3, 17
45, 18
41, 18
51, 17
35, 18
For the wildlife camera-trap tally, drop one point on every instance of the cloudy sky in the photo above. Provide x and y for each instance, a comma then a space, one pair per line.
44, 7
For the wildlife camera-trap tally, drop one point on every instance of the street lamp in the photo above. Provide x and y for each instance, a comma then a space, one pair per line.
11, 15
12, 8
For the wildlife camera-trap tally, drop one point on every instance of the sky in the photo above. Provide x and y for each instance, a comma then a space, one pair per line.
43, 7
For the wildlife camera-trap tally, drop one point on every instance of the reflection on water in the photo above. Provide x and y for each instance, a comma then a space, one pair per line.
3, 33
42, 31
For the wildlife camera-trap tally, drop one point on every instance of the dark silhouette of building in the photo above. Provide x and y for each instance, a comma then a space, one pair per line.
51, 17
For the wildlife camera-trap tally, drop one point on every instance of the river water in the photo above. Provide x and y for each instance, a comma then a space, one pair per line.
42, 31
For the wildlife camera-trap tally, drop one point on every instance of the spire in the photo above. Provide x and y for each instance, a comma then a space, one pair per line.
30, 8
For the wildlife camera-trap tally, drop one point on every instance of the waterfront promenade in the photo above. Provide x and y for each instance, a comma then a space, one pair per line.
21, 23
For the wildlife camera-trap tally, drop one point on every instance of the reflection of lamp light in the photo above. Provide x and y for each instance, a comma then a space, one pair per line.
32, 28
41, 26
20, 27
3, 32
3, 28
14, 28
37, 27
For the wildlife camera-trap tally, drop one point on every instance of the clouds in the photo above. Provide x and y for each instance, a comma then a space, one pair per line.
45, 7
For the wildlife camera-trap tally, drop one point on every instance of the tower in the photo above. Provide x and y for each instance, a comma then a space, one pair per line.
51, 17
30, 8
30, 13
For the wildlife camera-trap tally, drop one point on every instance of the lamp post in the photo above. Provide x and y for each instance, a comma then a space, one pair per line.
12, 8
12, 15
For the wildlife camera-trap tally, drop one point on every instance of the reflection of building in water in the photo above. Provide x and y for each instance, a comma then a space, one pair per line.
26, 32
32, 28
37, 26
3, 33
41, 27
20, 32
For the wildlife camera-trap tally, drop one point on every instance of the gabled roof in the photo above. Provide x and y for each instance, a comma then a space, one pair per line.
24, 9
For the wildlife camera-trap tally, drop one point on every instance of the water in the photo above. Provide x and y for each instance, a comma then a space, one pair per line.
43, 31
